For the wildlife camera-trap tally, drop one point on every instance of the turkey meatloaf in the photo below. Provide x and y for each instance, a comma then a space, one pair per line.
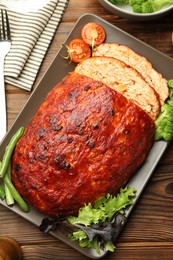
123, 78
140, 63
85, 140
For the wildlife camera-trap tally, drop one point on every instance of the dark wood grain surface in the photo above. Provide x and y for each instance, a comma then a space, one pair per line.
149, 231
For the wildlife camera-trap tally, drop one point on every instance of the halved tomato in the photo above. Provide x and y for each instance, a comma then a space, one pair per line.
93, 34
78, 50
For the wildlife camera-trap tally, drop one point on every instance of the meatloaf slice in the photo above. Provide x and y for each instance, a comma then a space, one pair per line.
125, 79
140, 63
85, 141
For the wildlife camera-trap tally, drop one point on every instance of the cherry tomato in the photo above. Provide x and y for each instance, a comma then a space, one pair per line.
93, 34
79, 50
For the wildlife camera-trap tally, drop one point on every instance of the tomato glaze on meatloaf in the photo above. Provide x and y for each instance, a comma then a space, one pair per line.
85, 140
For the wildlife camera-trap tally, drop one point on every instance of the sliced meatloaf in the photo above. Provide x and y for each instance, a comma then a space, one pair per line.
123, 78
140, 63
85, 140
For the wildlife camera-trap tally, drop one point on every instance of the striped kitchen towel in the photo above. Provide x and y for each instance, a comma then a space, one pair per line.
31, 34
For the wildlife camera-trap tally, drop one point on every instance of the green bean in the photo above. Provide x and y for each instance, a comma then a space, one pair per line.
5, 173
24, 206
2, 192
9, 150
8, 196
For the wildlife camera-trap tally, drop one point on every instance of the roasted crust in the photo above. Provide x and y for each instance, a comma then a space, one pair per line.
139, 62
86, 140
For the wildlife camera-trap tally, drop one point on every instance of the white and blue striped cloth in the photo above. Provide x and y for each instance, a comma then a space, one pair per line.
31, 34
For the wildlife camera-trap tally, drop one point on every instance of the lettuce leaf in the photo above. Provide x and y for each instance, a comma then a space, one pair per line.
100, 224
104, 208
95, 226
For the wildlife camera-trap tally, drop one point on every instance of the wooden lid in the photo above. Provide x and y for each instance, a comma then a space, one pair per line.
10, 249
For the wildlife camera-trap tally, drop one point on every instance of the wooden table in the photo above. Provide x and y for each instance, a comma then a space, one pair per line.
149, 231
